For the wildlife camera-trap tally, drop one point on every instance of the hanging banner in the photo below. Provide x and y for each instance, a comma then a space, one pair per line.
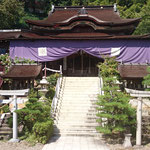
125, 50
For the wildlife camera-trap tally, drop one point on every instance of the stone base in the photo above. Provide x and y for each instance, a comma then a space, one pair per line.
138, 147
14, 140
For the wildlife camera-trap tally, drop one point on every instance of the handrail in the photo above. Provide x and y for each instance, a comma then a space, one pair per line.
57, 89
56, 97
101, 83
101, 86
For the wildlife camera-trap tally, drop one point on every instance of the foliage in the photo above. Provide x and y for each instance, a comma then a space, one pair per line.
33, 94
146, 80
52, 79
23, 60
35, 119
10, 121
33, 112
43, 131
6, 61
10, 13
4, 109
115, 113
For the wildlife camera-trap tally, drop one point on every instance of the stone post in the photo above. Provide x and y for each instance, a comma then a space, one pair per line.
15, 129
139, 122
127, 141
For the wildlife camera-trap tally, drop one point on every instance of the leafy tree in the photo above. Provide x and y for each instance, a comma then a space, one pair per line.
115, 113
146, 80
10, 13
144, 26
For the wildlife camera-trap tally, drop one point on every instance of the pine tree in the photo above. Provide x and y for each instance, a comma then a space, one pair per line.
115, 113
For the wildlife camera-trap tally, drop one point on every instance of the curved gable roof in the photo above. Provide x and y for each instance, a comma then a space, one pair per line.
100, 14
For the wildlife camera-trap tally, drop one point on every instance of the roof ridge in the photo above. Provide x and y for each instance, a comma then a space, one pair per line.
86, 7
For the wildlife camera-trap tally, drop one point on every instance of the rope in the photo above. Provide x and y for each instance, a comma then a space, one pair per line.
51, 70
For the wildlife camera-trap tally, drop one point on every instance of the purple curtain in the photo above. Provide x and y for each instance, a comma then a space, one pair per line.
130, 51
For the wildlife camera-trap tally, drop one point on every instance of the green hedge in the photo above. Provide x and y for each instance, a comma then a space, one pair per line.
43, 131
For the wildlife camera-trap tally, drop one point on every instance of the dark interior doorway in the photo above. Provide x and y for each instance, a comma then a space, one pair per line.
82, 64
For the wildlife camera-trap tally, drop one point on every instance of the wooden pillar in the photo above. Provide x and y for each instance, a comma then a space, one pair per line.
15, 84
73, 65
81, 62
65, 63
89, 65
32, 83
28, 83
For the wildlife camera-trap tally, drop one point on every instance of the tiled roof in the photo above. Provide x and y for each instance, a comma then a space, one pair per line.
68, 36
104, 15
133, 71
23, 71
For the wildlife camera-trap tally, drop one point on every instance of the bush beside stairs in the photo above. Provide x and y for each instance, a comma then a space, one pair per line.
76, 110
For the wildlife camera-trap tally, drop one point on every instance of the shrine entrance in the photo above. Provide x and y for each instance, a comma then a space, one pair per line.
81, 64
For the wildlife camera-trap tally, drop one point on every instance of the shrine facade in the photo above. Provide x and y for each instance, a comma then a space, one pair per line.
77, 38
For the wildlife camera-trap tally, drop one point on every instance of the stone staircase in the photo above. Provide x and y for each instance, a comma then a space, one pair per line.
5, 130
76, 111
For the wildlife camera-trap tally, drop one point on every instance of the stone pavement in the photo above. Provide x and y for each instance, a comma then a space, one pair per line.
75, 143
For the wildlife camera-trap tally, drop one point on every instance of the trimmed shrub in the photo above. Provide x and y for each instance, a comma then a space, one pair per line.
43, 131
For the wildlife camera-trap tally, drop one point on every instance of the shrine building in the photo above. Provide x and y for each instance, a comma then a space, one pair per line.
77, 38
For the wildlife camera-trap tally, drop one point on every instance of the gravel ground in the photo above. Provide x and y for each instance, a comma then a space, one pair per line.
22, 145
120, 147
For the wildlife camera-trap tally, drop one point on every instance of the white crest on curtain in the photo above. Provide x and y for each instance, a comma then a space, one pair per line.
115, 51
42, 51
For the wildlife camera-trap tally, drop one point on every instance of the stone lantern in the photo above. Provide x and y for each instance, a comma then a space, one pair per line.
44, 83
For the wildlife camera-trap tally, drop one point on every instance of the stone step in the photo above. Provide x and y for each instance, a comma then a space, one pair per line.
79, 116
77, 110
5, 125
82, 104
77, 134
80, 107
74, 106
77, 129
75, 86
77, 107
5, 129
77, 113
89, 118
82, 84
80, 91
81, 78
79, 99
77, 95
5, 132
76, 124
